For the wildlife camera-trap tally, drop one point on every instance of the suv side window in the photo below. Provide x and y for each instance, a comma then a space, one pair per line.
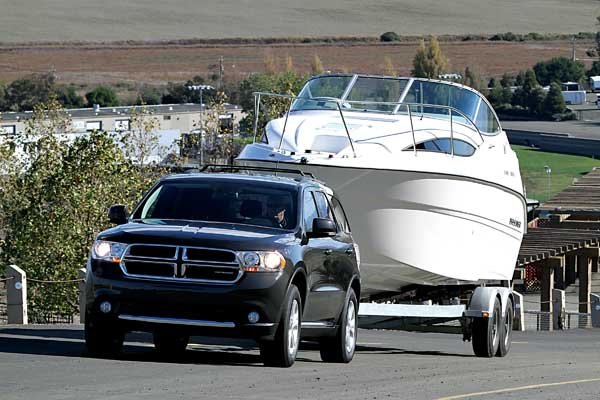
323, 206
309, 210
340, 215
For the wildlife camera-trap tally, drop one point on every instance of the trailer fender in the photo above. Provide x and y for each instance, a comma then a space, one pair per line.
482, 301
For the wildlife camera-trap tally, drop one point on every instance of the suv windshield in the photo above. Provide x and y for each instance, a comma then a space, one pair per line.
251, 203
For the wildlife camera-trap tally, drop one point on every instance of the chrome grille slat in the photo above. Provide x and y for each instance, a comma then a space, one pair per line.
185, 269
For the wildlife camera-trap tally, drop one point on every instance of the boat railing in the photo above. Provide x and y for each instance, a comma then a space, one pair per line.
342, 105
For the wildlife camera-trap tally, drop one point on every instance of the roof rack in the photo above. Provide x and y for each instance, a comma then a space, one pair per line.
234, 168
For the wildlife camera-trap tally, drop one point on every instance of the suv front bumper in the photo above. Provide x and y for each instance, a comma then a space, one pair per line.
199, 309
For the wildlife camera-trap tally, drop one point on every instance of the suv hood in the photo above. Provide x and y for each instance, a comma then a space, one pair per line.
201, 234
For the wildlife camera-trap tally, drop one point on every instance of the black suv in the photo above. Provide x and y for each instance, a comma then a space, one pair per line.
227, 254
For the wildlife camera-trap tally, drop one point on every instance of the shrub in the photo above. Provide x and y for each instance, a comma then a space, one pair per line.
389, 37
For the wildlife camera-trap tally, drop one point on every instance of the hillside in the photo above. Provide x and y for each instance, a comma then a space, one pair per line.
108, 20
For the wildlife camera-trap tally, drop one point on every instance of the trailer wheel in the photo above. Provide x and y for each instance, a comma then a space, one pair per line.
506, 330
486, 333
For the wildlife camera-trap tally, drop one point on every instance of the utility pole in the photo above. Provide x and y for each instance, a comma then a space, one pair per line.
573, 48
221, 73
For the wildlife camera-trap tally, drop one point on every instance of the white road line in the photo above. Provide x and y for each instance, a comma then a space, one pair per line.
515, 389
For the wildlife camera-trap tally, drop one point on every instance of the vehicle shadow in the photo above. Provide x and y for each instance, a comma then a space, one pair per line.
138, 347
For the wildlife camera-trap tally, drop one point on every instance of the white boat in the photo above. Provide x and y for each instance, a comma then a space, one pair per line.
430, 184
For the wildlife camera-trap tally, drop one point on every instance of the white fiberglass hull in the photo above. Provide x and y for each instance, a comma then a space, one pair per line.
425, 228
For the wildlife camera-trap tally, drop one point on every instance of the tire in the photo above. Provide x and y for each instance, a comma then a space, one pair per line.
282, 351
486, 333
170, 344
102, 339
506, 330
340, 348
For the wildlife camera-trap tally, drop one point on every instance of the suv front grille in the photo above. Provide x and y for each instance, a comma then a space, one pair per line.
181, 263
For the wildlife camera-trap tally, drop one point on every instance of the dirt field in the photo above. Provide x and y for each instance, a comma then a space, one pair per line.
109, 20
158, 64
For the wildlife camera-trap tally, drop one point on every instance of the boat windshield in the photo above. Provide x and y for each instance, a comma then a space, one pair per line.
373, 94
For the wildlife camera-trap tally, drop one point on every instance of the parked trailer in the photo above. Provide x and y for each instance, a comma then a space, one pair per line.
595, 83
486, 321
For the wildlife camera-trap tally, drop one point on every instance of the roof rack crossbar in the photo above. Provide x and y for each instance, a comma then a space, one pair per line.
232, 168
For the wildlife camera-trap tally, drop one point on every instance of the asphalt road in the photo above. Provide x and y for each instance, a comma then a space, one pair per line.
48, 362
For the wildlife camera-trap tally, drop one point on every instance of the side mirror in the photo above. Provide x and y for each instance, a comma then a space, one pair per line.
322, 227
118, 214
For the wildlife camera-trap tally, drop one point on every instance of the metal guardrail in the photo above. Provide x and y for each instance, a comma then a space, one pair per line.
537, 320
340, 105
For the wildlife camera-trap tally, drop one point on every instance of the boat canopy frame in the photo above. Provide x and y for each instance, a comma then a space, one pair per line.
340, 108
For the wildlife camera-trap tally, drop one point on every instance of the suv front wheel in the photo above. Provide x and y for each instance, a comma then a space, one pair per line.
281, 352
340, 348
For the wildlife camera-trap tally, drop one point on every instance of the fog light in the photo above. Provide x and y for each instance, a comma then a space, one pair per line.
105, 307
253, 317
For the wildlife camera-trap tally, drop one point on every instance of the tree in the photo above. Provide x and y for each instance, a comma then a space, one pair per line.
429, 62
142, 140
148, 95
53, 201
286, 83
178, 93
472, 79
559, 69
498, 95
554, 102
595, 69
3, 105
69, 98
388, 67
104, 96
24, 93
316, 66
530, 95
507, 81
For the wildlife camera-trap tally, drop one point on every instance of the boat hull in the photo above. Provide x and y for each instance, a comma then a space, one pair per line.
425, 228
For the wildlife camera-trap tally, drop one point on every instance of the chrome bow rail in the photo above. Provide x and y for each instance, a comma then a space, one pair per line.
340, 105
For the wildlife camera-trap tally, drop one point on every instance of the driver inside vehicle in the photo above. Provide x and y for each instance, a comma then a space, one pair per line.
279, 217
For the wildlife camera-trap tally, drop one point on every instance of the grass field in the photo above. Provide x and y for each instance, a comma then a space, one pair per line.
108, 20
564, 169
159, 63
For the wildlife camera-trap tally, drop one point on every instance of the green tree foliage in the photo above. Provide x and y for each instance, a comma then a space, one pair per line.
148, 95
530, 96
53, 201
499, 96
69, 98
285, 83
559, 69
507, 80
178, 93
554, 102
593, 71
103, 96
429, 61
24, 93
472, 79
389, 37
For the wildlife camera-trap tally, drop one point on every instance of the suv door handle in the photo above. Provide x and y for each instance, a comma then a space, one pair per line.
328, 252
349, 252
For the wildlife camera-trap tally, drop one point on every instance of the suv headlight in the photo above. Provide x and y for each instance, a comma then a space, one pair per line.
261, 261
110, 251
